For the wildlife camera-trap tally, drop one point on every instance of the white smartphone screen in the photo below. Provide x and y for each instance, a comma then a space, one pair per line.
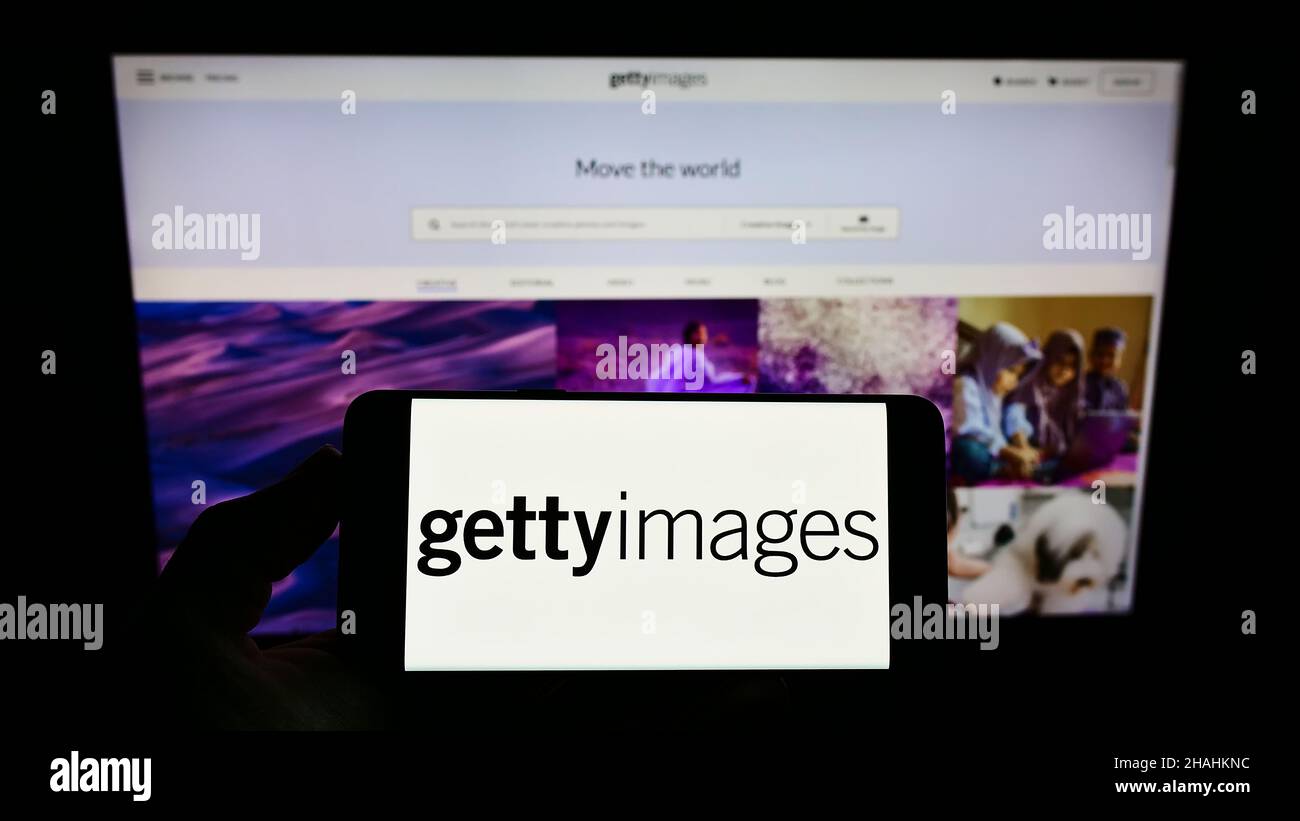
539, 535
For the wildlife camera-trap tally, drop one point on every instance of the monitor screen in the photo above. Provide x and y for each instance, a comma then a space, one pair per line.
991, 235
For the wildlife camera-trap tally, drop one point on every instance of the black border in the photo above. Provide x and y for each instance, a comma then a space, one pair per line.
1211, 510
1045, 713
373, 532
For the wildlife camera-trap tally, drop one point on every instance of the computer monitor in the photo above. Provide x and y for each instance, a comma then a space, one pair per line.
991, 235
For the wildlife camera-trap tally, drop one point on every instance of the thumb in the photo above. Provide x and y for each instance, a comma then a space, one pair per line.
221, 573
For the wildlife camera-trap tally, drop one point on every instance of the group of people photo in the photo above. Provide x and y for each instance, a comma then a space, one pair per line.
1043, 412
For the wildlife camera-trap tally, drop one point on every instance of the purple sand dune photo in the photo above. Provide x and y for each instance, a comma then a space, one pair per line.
236, 394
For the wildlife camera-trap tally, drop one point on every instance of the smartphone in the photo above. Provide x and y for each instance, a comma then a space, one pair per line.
544, 530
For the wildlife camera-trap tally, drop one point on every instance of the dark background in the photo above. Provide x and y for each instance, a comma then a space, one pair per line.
1043, 715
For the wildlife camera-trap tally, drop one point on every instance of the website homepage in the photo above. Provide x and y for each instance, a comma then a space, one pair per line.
991, 236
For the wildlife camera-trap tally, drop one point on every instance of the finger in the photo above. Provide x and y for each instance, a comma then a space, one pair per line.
329, 641
222, 571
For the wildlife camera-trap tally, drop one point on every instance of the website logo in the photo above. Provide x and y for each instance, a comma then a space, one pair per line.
819, 536
646, 79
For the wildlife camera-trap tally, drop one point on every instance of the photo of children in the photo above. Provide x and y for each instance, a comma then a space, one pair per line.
1040, 550
710, 346
878, 345
1042, 390
980, 448
1104, 390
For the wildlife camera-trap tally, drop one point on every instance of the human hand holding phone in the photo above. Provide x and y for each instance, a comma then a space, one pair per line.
193, 635
214, 590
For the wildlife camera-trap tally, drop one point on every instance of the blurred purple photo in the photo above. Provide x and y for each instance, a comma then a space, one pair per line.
236, 394
710, 346
876, 345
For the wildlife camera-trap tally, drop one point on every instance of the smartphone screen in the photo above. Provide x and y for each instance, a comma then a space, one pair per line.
617, 534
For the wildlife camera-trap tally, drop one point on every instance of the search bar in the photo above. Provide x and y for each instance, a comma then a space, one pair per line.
617, 224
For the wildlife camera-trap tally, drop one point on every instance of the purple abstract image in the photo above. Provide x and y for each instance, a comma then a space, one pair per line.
236, 394
724, 332
884, 345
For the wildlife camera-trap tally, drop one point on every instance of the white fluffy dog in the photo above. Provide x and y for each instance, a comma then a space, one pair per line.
1062, 562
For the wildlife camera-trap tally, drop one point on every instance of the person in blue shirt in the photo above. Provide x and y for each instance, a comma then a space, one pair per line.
980, 449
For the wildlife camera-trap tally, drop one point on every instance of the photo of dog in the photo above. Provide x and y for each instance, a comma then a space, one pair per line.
1067, 557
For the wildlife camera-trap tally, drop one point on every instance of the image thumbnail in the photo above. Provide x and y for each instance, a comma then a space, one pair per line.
890, 345
706, 345
1046, 551
237, 394
1049, 390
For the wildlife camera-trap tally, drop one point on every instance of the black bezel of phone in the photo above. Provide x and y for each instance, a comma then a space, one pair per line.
373, 530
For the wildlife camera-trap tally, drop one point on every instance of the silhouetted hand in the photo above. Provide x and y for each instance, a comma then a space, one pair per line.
215, 589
